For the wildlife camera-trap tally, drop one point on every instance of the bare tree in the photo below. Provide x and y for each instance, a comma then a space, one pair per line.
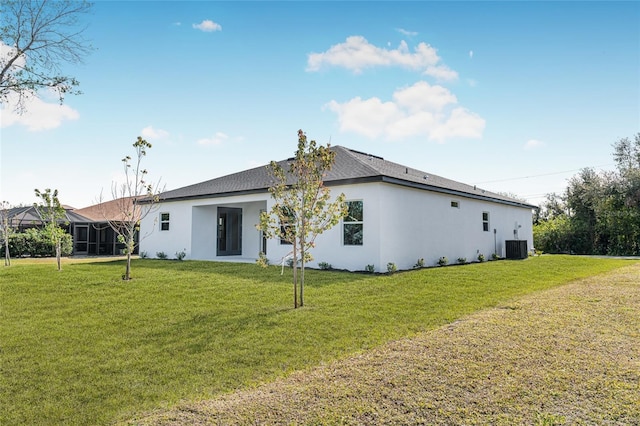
5, 231
36, 38
134, 200
302, 210
52, 215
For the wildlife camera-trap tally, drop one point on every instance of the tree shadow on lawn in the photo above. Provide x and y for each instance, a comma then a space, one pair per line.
246, 271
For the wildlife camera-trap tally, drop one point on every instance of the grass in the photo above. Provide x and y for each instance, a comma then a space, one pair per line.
565, 356
83, 347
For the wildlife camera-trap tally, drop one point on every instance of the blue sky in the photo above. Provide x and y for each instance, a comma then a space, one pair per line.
512, 96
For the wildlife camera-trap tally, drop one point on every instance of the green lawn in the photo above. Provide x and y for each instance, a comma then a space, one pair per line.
83, 347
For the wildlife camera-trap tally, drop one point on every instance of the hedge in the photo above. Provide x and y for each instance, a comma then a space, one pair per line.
35, 242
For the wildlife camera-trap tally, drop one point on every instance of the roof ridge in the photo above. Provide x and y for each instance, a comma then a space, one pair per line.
356, 156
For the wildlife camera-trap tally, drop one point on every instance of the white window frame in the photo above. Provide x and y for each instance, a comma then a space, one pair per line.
165, 222
486, 222
353, 222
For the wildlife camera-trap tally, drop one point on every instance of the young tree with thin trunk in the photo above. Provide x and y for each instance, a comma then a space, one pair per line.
134, 199
302, 208
52, 215
36, 38
6, 230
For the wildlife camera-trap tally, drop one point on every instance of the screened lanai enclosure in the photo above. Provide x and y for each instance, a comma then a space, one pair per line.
89, 227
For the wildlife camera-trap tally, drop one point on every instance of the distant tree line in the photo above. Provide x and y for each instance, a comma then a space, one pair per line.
599, 212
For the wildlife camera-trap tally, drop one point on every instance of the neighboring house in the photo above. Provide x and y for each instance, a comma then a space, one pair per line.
97, 237
397, 214
88, 226
22, 218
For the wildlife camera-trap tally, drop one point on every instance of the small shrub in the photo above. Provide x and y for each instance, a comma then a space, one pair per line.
462, 260
443, 261
180, 255
324, 266
370, 269
144, 255
391, 267
289, 260
481, 257
495, 256
161, 255
419, 264
262, 260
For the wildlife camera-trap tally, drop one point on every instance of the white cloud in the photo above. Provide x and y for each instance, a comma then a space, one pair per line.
38, 115
407, 33
423, 96
207, 26
6, 52
217, 139
368, 117
356, 54
421, 110
533, 144
150, 133
471, 54
461, 123
442, 73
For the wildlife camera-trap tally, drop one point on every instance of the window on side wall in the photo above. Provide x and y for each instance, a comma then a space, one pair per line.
164, 221
455, 204
287, 222
353, 225
485, 221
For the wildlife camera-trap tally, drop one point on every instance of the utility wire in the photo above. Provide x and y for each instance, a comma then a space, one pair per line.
545, 174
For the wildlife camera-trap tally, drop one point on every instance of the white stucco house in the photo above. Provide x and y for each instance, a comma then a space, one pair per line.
397, 214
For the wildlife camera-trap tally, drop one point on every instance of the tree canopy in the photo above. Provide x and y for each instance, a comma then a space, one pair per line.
599, 212
37, 37
302, 208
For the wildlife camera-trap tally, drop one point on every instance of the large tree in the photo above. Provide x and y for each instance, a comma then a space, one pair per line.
599, 212
52, 215
134, 200
626, 153
37, 37
302, 208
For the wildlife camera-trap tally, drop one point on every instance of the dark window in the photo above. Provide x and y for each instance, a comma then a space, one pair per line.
485, 221
455, 204
287, 223
353, 224
164, 221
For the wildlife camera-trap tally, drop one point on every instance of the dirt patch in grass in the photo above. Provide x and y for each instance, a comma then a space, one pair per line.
569, 355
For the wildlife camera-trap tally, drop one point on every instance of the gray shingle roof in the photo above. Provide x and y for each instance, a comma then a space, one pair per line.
350, 167
28, 215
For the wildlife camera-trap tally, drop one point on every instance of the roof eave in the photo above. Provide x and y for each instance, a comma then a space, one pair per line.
367, 179
458, 193
201, 196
